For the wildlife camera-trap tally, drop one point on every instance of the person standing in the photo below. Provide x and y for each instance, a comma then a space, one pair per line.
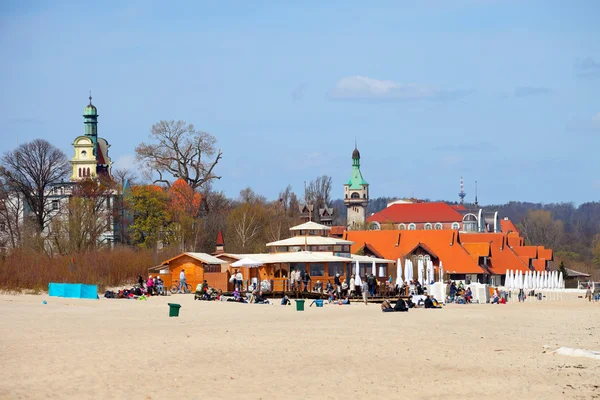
338, 285
292, 280
299, 280
239, 278
182, 281
352, 286
150, 286
306, 280
365, 290
588, 294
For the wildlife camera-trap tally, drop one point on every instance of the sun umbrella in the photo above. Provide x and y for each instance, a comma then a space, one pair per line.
399, 273
374, 269
421, 270
506, 278
441, 272
526, 280
357, 280
247, 262
406, 273
561, 281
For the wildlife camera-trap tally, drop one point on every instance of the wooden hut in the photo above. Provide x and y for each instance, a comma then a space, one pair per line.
197, 266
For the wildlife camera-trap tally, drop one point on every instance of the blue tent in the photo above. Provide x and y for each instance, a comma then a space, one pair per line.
73, 290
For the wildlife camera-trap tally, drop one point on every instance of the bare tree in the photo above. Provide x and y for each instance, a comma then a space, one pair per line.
540, 228
121, 175
318, 193
246, 223
11, 206
180, 151
31, 170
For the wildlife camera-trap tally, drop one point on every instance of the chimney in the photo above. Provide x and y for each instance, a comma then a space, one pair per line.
220, 245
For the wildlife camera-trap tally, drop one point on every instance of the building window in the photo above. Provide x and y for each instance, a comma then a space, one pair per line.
88, 171
401, 227
55, 205
412, 227
79, 172
364, 196
374, 226
455, 225
300, 266
83, 154
355, 195
336, 268
212, 268
427, 226
317, 269
438, 226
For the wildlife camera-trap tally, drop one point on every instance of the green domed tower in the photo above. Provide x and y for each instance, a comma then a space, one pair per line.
90, 121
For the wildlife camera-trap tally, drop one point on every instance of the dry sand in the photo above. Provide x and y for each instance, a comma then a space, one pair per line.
125, 348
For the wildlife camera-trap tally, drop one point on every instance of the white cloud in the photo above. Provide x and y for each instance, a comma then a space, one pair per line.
365, 88
125, 161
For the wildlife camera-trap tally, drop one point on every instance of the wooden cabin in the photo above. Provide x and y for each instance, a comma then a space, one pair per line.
197, 266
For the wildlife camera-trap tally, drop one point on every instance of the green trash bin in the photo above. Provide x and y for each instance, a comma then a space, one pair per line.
174, 309
300, 305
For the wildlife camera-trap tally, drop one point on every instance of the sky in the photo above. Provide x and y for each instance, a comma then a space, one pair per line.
505, 93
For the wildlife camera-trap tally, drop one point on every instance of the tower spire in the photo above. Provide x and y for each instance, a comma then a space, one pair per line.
90, 97
462, 193
476, 202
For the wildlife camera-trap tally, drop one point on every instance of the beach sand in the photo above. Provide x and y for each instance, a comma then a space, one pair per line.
132, 349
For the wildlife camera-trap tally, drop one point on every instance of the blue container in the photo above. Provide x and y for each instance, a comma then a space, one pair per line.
319, 303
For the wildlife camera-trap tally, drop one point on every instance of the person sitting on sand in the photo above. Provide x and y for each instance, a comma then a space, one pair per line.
468, 295
346, 301
318, 287
429, 303
199, 294
400, 306
260, 298
286, 301
495, 298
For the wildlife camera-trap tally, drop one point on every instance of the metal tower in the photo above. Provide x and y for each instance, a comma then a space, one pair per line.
462, 193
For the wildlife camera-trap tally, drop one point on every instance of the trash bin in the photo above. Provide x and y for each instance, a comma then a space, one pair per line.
174, 309
319, 303
300, 305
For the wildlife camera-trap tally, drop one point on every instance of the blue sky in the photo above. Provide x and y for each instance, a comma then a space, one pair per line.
503, 92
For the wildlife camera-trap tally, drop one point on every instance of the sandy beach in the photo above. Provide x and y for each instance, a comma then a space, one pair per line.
124, 348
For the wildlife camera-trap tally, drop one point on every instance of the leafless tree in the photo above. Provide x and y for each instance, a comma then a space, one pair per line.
11, 206
179, 150
121, 175
31, 170
318, 193
540, 228
246, 224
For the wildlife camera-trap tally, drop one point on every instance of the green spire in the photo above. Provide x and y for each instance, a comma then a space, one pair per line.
356, 181
90, 121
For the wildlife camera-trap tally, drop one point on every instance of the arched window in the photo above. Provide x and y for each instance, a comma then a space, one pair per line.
427, 226
401, 227
412, 227
426, 258
88, 172
83, 154
470, 223
355, 195
374, 226
80, 172
455, 225
438, 226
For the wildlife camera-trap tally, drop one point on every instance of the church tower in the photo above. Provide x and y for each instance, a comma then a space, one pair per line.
91, 152
356, 195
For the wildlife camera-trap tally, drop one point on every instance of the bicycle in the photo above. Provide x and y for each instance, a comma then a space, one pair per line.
175, 287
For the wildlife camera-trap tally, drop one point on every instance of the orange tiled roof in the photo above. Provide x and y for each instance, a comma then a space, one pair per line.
502, 257
515, 240
526, 251
546, 254
477, 250
417, 213
337, 230
394, 244
506, 225
539, 264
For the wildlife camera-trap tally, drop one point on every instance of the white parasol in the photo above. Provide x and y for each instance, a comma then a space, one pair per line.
357, 280
246, 262
399, 273
374, 269
420, 271
441, 272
